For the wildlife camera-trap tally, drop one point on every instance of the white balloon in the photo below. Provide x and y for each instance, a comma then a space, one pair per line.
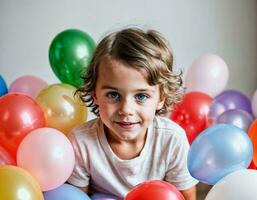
238, 185
254, 103
208, 73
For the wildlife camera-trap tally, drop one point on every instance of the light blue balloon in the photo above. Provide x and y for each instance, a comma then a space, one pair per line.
3, 87
65, 192
218, 151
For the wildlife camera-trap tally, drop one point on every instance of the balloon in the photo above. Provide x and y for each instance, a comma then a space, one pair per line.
65, 192
192, 113
239, 118
48, 155
218, 151
154, 189
252, 165
63, 111
252, 132
254, 103
69, 55
5, 157
100, 196
29, 85
17, 184
3, 86
237, 186
229, 99
208, 73
19, 114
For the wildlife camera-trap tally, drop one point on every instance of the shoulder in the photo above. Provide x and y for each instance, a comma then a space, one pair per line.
85, 131
169, 132
164, 125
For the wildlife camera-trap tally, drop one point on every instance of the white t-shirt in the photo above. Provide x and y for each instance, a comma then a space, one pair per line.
163, 157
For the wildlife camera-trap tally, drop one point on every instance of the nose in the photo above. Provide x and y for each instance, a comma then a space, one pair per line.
126, 107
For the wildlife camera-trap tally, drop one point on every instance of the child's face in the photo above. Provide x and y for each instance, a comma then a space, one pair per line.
127, 103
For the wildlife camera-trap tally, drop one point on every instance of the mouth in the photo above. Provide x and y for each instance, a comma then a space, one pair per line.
127, 124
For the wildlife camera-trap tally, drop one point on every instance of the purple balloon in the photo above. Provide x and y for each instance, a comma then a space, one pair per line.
101, 196
227, 100
239, 118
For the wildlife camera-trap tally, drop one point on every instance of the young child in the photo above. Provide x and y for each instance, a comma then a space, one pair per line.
128, 84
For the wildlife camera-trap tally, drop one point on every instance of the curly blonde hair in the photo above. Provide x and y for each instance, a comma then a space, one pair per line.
147, 50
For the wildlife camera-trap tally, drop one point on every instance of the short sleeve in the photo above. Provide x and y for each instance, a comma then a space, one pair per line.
177, 173
80, 175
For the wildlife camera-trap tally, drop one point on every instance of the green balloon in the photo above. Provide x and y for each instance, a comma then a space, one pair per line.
69, 55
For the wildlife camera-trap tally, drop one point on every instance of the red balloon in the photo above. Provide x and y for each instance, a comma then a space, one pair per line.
5, 157
252, 165
192, 113
19, 114
154, 189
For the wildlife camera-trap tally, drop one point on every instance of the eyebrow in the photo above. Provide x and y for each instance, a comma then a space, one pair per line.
114, 88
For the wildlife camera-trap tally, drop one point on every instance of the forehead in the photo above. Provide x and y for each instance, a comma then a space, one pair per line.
119, 67
119, 74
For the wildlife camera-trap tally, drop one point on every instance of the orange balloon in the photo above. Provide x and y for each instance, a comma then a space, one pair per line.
252, 132
19, 114
62, 109
17, 184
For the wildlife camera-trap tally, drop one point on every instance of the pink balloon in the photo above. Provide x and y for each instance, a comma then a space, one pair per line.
48, 155
254, 103
208, 73
29, 85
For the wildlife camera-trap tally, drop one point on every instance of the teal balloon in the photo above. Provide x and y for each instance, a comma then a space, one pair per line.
69, 55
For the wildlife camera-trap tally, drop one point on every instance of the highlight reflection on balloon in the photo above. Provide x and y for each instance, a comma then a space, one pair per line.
28, 84
48, 155
239, 118
218, 151
19, 114
192, 113
69, 55
17, 184
62, 109
155, 189
208, 73
238, 185
5, 157
229, 99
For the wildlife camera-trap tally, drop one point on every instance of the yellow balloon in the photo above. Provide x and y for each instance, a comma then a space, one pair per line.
62, 109
18, 184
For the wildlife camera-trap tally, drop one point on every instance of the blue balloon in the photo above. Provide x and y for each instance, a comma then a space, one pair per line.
65, 192
219, 151
3, 87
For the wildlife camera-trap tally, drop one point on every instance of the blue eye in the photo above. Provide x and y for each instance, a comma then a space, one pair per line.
113, 95
141, 97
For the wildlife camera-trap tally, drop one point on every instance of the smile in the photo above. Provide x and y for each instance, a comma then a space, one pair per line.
127, 124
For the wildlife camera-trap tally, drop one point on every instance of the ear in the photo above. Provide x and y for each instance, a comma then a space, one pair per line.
93, 94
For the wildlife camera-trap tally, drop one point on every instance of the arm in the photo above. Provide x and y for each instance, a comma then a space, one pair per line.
189, 194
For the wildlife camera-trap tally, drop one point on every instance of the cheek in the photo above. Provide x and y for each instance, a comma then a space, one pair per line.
106, 109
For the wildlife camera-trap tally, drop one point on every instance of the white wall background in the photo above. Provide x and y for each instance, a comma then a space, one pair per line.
227, 28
